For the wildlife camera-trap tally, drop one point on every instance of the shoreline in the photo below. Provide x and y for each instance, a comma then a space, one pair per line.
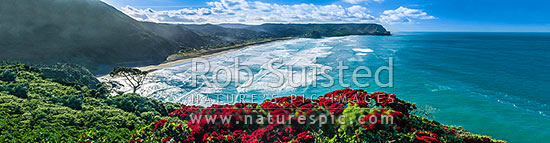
179, 58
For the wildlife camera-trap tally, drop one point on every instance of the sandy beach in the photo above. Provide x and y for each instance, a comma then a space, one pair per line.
179, 58
183, 60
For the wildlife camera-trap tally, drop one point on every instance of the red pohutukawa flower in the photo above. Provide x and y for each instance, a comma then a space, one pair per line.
161, 123
276, 120
166, 139
426, 137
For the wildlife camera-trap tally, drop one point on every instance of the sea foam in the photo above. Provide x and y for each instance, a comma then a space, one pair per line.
363, 50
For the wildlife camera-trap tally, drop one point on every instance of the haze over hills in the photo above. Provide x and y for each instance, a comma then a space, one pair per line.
98, 36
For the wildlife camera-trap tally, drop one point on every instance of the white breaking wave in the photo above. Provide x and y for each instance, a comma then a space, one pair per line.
174, 84
363, 50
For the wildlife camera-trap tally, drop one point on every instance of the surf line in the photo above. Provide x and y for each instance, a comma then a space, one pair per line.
201, 70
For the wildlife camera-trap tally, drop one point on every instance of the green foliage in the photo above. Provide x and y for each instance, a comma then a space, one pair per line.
122, 71
73, 102
7, 75
320, 30
137, 104
314, 34
150, 115
163, 130
69, 74
349, 119
18, 90
35, 109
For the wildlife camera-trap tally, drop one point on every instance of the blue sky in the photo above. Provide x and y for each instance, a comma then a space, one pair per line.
396, 15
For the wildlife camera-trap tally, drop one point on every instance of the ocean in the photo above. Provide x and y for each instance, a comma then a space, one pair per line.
496, 84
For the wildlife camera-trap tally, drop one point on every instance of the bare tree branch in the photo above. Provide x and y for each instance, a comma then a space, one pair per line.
134, 77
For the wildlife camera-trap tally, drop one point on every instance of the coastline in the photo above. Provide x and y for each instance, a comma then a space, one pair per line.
179, 58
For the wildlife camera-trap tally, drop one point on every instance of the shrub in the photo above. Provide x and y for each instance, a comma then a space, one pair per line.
138, 104
15, 89
150, 115
69, 74
34, 109
7, 75
73, 102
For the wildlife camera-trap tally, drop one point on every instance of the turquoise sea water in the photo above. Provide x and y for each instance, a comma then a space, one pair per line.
496, 84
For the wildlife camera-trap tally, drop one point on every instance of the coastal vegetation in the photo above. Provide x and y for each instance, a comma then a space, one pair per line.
340, 116
133, 77
35, 108
38, 109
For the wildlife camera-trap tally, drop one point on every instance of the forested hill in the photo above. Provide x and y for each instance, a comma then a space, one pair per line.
98, 36
317, 30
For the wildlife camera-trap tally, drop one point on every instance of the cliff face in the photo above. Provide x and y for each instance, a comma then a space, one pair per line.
97, 36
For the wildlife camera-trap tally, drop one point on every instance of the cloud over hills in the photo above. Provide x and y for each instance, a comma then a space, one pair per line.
256, 12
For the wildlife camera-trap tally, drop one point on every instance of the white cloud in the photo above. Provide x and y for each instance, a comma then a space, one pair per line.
360, 1
403, 15
254, 12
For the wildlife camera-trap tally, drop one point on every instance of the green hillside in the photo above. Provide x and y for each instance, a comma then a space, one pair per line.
87, 32
98, 36
35, 108
321, 30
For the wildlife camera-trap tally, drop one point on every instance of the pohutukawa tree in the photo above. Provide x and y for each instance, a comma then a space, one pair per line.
133, 77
